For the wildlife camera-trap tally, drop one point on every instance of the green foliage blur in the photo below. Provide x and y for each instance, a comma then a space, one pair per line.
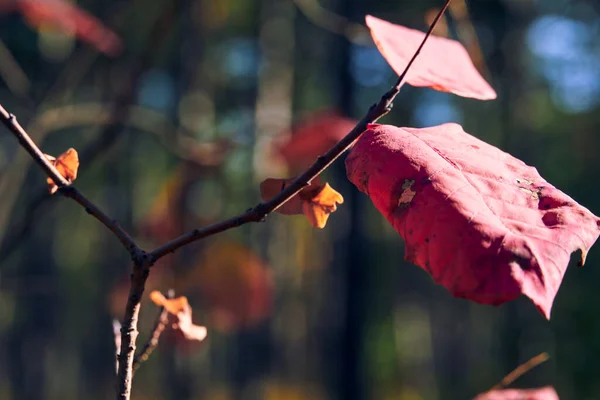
177, 131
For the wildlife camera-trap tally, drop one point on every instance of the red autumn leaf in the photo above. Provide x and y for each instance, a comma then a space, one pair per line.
443, 64
315, 201
66, 164
312, 138
181, 309
235, 285
543, 393
481, 222
69, 18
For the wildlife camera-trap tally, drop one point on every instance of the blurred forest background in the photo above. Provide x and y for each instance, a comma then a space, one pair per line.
177, 129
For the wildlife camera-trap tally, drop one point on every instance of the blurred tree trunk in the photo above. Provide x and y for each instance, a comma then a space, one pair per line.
35, 318
349, 248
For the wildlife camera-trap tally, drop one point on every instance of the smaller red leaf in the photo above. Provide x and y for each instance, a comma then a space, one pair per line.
313, 137
543, 393
271, 187
443, 64
70, 18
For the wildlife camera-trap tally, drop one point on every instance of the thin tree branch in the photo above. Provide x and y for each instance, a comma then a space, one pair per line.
10, 121
159, 326
12, 74
260, 212
129, 332
141, 118
65, 188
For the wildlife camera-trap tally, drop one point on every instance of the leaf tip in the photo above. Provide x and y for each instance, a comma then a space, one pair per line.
157, 298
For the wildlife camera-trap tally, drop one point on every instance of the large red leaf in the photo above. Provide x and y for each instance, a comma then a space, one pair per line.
481, 222
543, 393
443, 64
70, 18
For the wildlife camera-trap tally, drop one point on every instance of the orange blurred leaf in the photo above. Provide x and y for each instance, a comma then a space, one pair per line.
173, 306
163, 221
66, 164
235, 284
316, 201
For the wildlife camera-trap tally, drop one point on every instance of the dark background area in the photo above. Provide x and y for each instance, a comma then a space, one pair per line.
175, 132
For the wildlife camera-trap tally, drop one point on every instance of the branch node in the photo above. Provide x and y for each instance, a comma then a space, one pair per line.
68, 191
141, 259
259, 214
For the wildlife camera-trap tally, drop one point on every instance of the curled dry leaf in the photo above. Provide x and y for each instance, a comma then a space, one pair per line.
312, 137
484, 224
187, 328
173, 306
66, 164
181, 309
69, 18
443, 64
543, 393
316, 201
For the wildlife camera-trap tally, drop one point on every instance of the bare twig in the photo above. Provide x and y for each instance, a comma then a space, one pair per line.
159, 326
259, 213
521, 370
140, 118
65, 188
12, 74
